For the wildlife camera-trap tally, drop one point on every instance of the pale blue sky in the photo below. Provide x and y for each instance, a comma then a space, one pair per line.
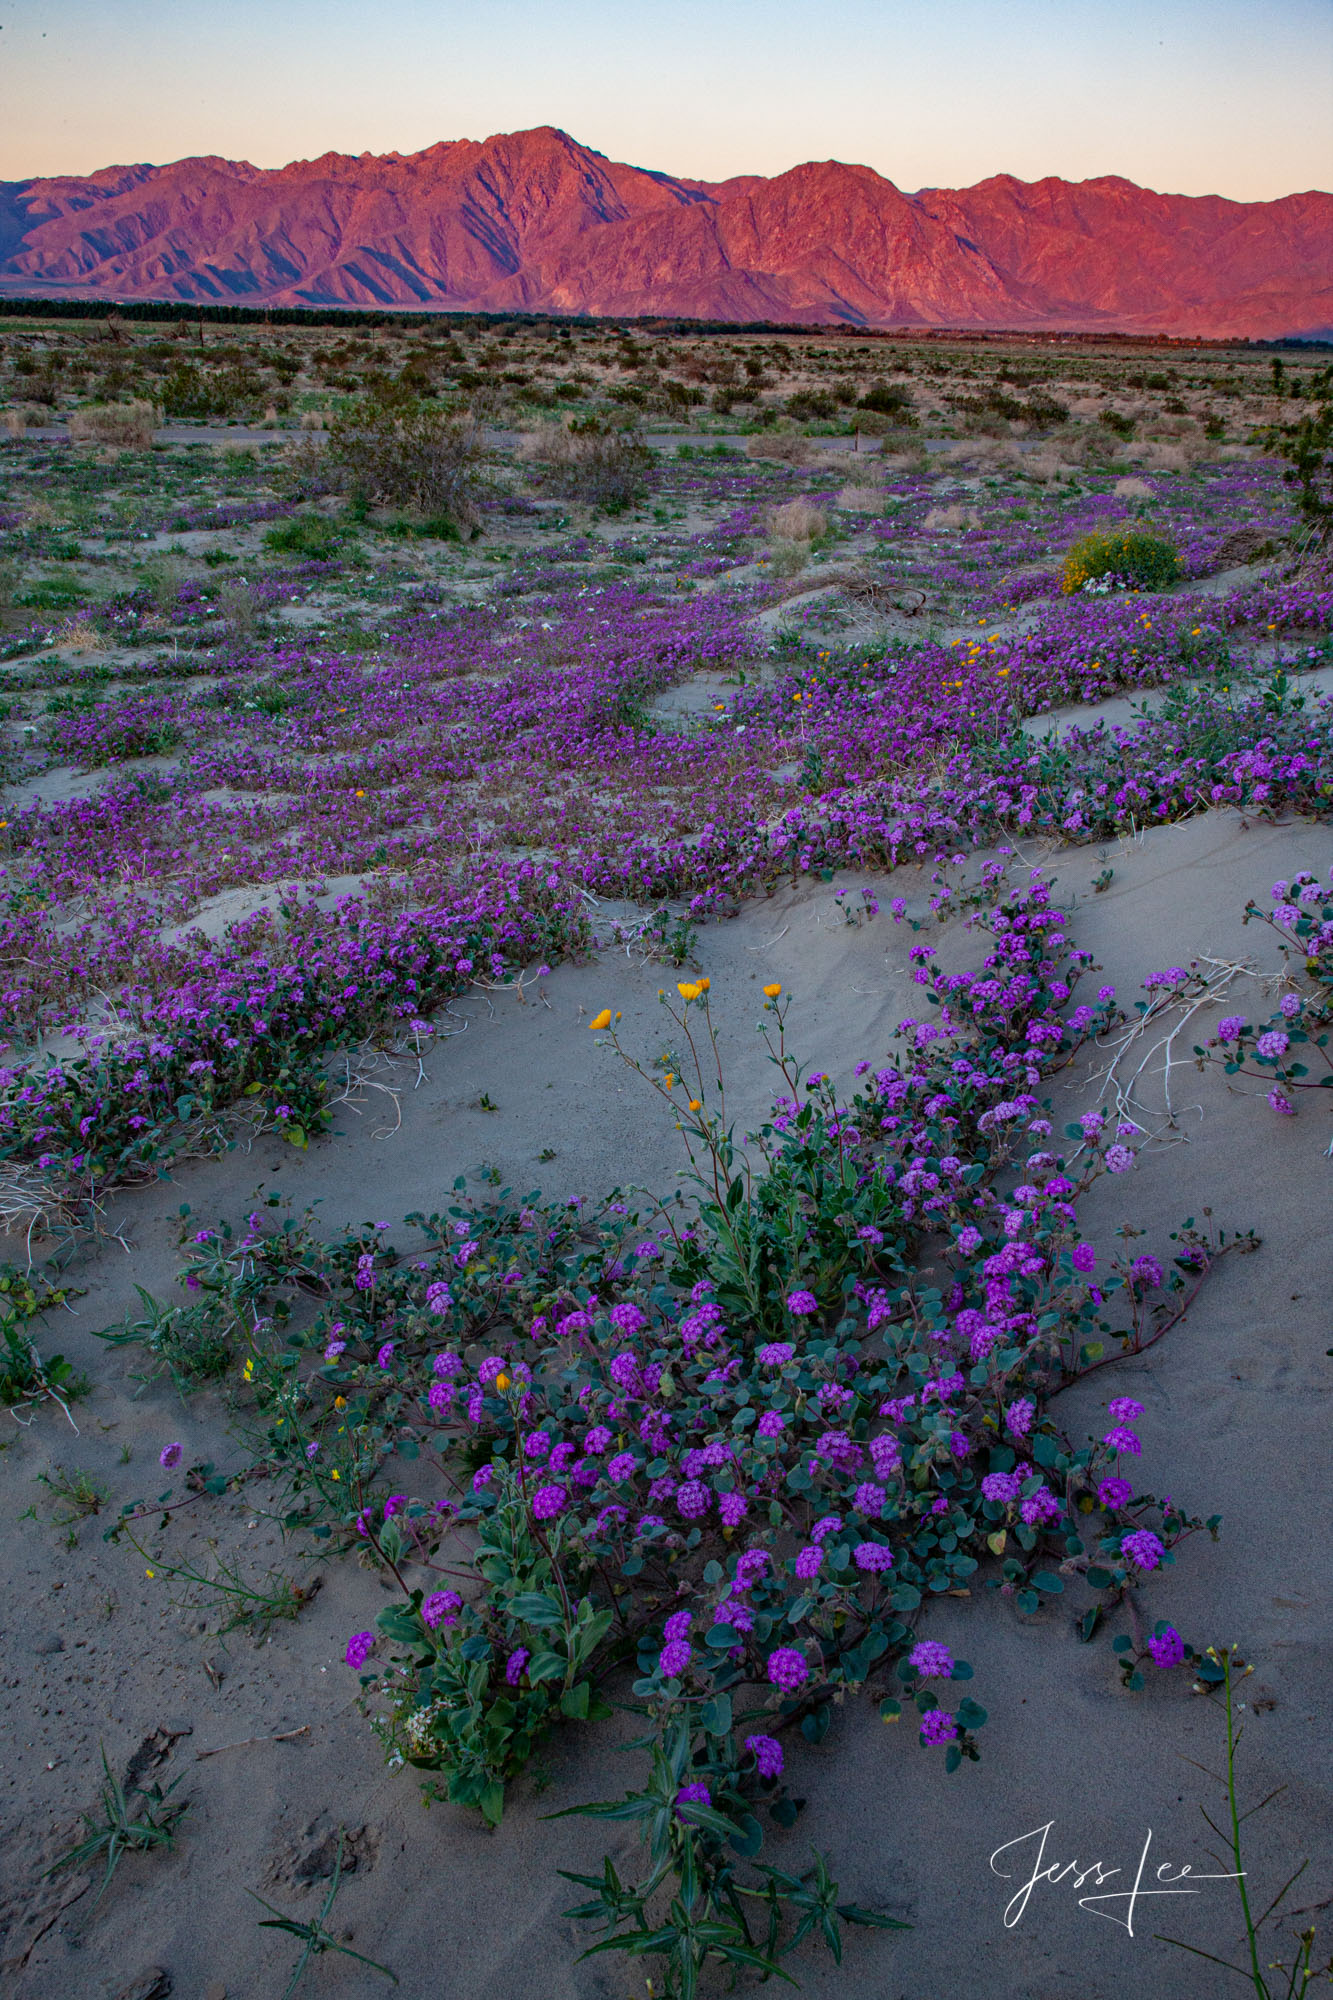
1231, 97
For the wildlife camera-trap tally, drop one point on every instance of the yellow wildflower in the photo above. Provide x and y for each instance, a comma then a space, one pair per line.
687, 989
695, 1103
772, 992
602, 1020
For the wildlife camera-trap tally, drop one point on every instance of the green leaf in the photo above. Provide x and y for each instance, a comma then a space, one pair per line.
716, 1715
545, 1666
398, 1623
574, 1701
1047, 1580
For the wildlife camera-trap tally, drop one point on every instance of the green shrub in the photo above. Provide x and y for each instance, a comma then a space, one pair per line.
435, 528
410, 456
309, 536
887, 400
1146, 562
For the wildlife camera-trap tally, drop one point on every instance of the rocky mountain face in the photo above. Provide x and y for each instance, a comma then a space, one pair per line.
533, 221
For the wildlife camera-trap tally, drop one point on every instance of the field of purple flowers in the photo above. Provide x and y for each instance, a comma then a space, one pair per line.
284, 776
437, 794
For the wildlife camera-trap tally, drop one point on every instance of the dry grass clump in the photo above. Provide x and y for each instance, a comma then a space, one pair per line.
1132, 489
798, 521
591, 461
784, 447
236, 602
80, 637
1046, 466
127, 425
984, 454
861, 499
23, 417
952, 517
1168, 457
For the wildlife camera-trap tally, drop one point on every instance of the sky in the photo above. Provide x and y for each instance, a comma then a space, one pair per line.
1231, 97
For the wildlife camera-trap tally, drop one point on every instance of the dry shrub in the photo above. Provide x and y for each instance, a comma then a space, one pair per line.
308, 470
589, 461
23, 417
163, 577
1046, 466
81, 637
127, 425
1132, 489
1243, 545
798, 521
312, 420
788, 559
784, 447
40, 514
952, 517
237, 604
861, 499
1167, 458
986, 454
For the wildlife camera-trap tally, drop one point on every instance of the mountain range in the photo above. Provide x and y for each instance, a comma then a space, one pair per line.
535, 222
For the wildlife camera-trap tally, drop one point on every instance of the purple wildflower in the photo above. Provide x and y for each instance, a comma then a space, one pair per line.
932, 1661
359, 1648
938, 1726
1142, 1548
1167, 1647
788, 1669
767, 1754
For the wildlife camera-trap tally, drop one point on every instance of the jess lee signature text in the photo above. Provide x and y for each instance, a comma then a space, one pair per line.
1026, 1857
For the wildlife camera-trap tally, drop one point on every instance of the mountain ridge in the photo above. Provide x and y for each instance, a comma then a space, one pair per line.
534, 221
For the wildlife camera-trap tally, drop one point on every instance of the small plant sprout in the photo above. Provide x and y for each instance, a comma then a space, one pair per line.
314, 1935
140, 1819
1219, 1672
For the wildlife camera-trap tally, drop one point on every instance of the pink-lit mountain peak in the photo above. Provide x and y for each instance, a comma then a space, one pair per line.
534, 221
